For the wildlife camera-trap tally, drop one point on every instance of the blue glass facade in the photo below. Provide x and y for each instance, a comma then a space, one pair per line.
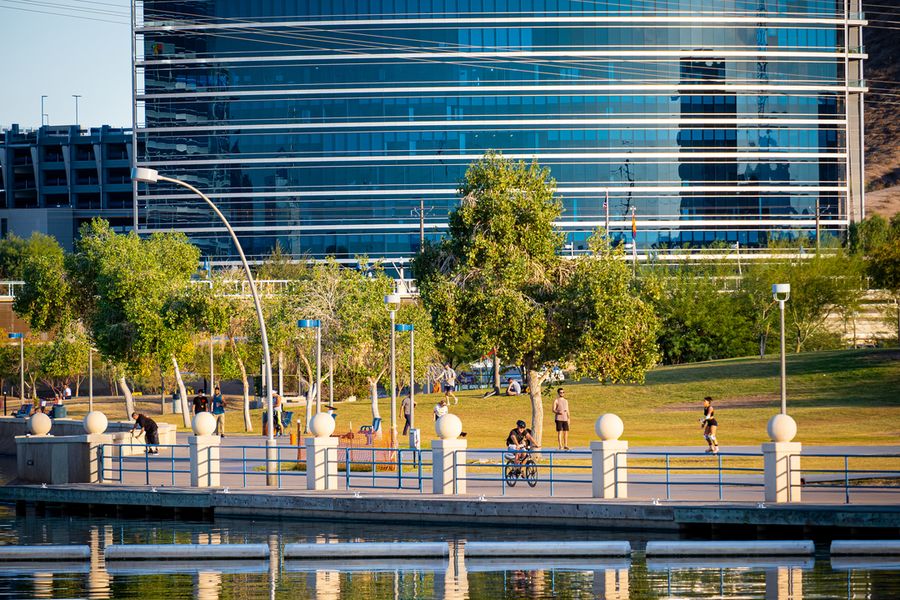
323, 124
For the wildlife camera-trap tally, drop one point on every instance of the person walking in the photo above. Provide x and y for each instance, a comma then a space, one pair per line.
218, 411
406, 407
276, 413
449, 383
200, 404
150, 429
561, 416
710, 425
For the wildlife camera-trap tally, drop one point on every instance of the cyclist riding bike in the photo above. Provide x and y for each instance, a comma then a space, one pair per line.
520, 440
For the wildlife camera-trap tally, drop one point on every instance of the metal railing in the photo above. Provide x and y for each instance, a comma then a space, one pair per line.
552, 467
662, 461
398, 468
120, 465
843, 477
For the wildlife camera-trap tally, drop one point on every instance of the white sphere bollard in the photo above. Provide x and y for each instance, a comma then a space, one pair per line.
782, 428
40, 424
448, 427
322, 425
609, 427
95, 422
203, 424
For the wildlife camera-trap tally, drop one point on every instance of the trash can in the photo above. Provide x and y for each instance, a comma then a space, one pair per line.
58, 411
176, 403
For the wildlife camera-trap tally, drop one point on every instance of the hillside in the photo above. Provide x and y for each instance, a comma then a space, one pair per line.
882, 71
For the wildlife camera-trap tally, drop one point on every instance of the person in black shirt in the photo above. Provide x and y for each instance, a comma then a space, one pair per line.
151, 431
200, 404
520, 440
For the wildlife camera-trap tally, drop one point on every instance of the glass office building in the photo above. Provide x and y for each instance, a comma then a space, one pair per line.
332, 126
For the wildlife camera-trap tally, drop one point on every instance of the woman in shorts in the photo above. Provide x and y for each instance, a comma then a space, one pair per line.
710, 425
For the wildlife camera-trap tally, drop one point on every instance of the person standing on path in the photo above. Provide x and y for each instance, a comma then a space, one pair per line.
561, 416
150, 429
218, 411
200, 404
710, 425
406, 407
449, 384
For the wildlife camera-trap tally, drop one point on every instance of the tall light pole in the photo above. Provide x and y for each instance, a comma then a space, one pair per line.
781, 292
317, 325
76, 96
21, 338
90, 379
413, 433
392, 301
43, 114
145, 175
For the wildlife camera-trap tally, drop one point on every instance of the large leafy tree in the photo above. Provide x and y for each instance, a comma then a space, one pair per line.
884, 266
499, 278
125, 286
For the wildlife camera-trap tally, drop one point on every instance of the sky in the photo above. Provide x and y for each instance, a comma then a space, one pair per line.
75, 50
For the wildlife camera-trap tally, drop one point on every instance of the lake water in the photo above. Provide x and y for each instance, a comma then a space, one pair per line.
511, 578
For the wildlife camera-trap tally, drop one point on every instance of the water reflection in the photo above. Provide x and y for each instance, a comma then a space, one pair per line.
452, 578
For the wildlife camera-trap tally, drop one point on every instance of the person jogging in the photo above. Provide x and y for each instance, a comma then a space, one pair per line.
710, 425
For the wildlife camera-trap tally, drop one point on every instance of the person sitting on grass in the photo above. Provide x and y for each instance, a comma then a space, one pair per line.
514, 388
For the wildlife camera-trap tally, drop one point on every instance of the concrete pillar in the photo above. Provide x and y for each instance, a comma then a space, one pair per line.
204, 451
321, 461
609, 473
446, 472
448, 455
781, 461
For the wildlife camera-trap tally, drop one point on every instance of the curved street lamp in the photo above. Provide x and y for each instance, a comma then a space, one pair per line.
781, 292
145, 175
317, 325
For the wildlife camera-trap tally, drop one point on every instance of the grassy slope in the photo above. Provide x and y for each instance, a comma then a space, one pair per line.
848, 397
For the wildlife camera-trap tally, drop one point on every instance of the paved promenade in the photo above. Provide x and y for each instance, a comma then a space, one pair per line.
243, 466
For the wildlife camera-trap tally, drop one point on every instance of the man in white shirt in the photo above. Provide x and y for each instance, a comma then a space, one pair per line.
449, 384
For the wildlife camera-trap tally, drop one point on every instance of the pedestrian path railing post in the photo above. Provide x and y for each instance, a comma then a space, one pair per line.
203, 448
781, 461
609, 468
321, 455
448, 457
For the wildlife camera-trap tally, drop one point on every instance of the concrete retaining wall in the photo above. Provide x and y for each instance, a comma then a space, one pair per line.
366, 550
732, 548
511, 550
48, 554
866, 547
10, 427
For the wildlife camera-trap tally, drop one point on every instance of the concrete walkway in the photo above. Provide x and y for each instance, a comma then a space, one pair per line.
243, 466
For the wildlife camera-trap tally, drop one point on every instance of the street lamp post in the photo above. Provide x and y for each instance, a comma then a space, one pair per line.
413, 433
392, 301
90, 379
781, 292
145, 175
21, 338
317, 325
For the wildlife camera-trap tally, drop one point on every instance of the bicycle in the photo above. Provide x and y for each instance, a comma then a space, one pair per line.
527, 470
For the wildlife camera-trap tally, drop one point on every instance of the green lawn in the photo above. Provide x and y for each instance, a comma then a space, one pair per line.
845, 397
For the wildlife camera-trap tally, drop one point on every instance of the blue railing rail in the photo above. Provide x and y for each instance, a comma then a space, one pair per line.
718, 467
843, 475
381, 467
551, 465
120, 465
364, 466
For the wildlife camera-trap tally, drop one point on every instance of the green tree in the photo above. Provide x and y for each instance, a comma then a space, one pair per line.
12, 251
884, 267
45, 299
823, 285
125, 285
498, 275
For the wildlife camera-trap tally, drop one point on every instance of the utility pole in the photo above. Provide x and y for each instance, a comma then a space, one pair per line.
421, 224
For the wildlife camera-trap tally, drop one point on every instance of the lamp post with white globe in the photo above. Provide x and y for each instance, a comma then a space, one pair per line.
781, 292
146, 175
